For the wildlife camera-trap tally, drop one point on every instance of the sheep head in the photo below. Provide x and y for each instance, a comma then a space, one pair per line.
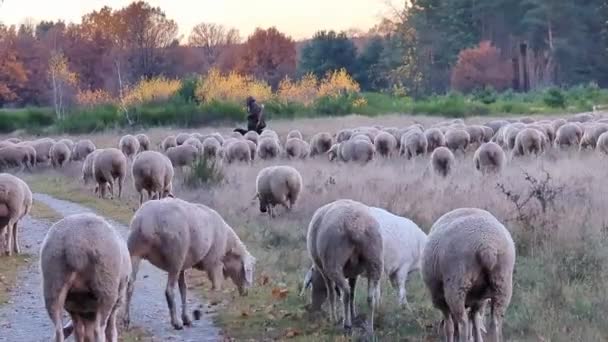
240, 269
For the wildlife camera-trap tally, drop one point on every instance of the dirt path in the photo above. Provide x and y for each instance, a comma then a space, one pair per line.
24, 319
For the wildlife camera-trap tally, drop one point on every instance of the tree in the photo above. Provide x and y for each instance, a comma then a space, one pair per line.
481, 67
268, 55
214, 40
328, 51
13, 75
368, 68
61, 80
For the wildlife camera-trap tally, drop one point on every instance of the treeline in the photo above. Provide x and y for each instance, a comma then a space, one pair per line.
429, 47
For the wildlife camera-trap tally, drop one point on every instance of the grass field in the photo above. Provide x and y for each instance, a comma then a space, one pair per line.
561, 270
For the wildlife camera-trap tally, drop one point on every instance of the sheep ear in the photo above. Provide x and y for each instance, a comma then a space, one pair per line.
248, 266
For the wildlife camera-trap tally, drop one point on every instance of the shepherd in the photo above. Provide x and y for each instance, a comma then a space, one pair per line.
255, 117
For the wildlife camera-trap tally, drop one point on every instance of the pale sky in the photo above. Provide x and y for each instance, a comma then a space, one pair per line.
298, 18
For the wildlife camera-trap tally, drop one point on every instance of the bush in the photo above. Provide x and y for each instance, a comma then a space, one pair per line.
205, 171
27, 118
487, 95
187, 91
233, 87
91, 120
554, 98
336, 105
452, 105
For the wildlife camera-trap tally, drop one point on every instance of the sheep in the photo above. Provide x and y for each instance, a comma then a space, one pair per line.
144, 142
469, 258
198, 136
14, 140
175, 235
43, 149
15, 203
211, 148
268, 147
489, 158
168, 142
278, 185
252, 148
442, 161
361, 136
60, 154
582, 117
371, 132
181, 138
85, 269
320, 143
194, 142
238, 151
591, 135
496, 124
556, 124
510, 134
457, 140
129, 145
6, 143
82, 149
218, 137
68, 142
344, 241
488, 133
602, 143
297, 148
527, 120
343, 135
294, 134
403, 242
253, 136
87, 167
352, 150
568, 135
476, 134
385, 144
22, 157
529, 141
413, 144
270, 133
434, 138
109, 166
152, 171
183, 155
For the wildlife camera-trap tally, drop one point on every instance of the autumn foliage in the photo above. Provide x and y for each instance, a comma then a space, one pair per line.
481, 67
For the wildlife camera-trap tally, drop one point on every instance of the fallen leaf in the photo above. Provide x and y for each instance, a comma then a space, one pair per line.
279, 293
292, 333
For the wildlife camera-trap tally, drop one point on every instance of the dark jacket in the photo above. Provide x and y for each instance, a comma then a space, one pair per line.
255, 116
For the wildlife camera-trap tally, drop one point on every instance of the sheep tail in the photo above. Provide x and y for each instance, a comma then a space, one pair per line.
487, 258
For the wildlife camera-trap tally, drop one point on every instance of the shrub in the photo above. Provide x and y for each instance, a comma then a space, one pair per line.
452, 105
92, 98
487, 95
338, 83
205, 171
304, 91
27, 118
91, 120
187, 91
232, 87
336, 105
158, 89
481, 67
218, 111
554, 98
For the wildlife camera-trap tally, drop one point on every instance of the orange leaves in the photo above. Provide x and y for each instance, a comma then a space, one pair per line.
480, 67
279, 293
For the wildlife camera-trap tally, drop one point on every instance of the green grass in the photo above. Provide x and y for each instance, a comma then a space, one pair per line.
42, 211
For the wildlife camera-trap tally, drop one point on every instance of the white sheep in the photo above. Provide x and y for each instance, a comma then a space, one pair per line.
109, 166
175, 235
82, 149
320, 143
343, 135
181, 138
129, 145
385, 144
602, 143
356, 150
344, 241
68, 142
153, 172
297, 148
144, 142
43, 149
434, 138
237, 150
85, 269
183, 155
457, 140
268, 147
476, 134
568, 135
15, 203
87, 167
529, 141
22, 157
469, 258
403, 243
194, 142
413, 144
211, 148
60, 154
442, 161
278, 185
253, 136
591, 135
489, 158
294, 134
168, 142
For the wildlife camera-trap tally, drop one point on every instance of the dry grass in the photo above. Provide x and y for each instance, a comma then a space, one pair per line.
42, 211
561, 270
9, 268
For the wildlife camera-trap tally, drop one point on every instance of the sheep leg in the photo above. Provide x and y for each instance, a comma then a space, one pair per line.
183, 290
448, 326
170, 296
141, 197
215, 275
54, 301
9, 238
15, 246
344, 287
476, 320
331, 295
398, 280
455, 298
121, 182
111, 330
373, 290
352, 283
497, 313
135, 261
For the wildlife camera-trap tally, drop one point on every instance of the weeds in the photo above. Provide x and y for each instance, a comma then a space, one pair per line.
204, 172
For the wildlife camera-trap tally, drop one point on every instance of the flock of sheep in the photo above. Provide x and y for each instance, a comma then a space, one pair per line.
466, 260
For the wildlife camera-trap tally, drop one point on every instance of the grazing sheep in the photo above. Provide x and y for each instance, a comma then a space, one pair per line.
16, 156
568, 135
211, 148
238, 151
356, 150
361, 136
152, 171
43, 149
218, 137
510, 134
413, 144
144, 142
181, 138
277, 185
60, 154
294, 134
434, 138
6, 143
549, 132
85, 269
194, 142
237, 135
442, 161
403, 243
82, 149
344, 241
496, 125
109, 166
469, 258
489, 158
557, 123
175, 235
343, 135
529, 141
87, 167
183, 155
297, 148
15, 203
14, 140
129, 145
371, 132
527, 120
457, 140
591, 135
320, 143
253, 136
268, 147
198, 136
252, 148
168, 142
488, 133
602, 143
68, 142
270, 133
385, 144
476, 134
582, 117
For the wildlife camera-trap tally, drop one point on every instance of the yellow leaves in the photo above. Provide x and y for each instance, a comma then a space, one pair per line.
303, 91
232, 87
91, 98
151, 90
59, 70
337, 83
